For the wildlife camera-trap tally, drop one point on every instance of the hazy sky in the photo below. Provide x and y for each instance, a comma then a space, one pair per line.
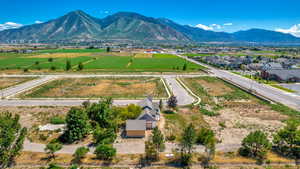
217, 15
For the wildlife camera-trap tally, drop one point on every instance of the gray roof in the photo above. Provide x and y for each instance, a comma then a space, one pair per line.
135, 125
148, 115
285, 74
147, 102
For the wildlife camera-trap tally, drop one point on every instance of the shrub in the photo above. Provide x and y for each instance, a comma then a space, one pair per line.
53, 68
105, 152
208, 113
80, 153
57, 120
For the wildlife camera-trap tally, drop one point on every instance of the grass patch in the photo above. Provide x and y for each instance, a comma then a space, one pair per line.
208, 113
283, 88
57, 120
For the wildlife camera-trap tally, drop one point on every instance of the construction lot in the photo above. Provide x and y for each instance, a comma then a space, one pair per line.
99, 87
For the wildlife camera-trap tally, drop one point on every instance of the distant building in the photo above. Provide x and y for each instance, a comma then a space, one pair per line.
284, 75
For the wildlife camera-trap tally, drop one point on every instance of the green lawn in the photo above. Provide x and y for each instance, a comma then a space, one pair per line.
157, 63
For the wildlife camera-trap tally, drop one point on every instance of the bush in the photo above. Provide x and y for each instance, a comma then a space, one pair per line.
105, 152
25, 70
57, 120
80, 153
171, 138
208, 113
53, 68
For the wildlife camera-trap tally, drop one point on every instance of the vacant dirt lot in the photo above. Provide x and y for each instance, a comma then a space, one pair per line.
11, 81
100, 87
236, 112
143, 55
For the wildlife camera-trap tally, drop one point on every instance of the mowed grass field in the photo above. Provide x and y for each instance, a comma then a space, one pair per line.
95, 60
126, 88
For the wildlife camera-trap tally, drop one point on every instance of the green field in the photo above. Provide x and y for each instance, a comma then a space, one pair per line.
93, 60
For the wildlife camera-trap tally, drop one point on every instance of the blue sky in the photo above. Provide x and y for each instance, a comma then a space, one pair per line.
208, 14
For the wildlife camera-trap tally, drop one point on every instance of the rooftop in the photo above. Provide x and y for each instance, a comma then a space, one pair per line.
132, 125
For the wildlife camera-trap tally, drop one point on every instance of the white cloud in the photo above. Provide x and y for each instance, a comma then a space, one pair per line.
10, 25
207, 28
216, 26
228, 24
38, 22
294, 30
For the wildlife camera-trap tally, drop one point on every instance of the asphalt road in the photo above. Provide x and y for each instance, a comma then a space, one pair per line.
269, 92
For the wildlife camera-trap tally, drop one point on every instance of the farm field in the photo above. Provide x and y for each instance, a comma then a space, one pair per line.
93, 60
6, 82
233, 113
99, 87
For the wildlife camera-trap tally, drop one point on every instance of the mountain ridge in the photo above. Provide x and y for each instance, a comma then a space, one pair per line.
78, 25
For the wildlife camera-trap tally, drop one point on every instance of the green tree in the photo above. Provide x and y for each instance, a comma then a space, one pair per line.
51, 148
80, 66
104, 135
187, 143
80, 154
101, 113
151, 153
108, 49
255, 145
12, 136
132, 111
50, 59
161, 104
172, 102
206, 137
158, 139
184, 67
68, 65
105, 151
287, 140
77, 126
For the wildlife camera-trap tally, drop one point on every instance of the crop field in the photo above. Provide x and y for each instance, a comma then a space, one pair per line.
99, 87
233, 113
6, 82
91, 60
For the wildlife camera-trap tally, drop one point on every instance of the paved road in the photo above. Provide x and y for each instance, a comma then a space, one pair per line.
182, 95
14, 90
274, 94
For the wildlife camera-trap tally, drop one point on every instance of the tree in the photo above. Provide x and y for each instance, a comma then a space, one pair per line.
104, 135
184, 67
51, 148
108, 49
287, 140
54, 166
172, 102
101, 113
80, 66
158, 139
68, 65
187, 143
50, 59
151, 152
80, 154
132, 111
206, 137
12, 136
161, 104
77, 126
255, 145
105, 151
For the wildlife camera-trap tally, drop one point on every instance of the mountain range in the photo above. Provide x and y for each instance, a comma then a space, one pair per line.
78, 25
